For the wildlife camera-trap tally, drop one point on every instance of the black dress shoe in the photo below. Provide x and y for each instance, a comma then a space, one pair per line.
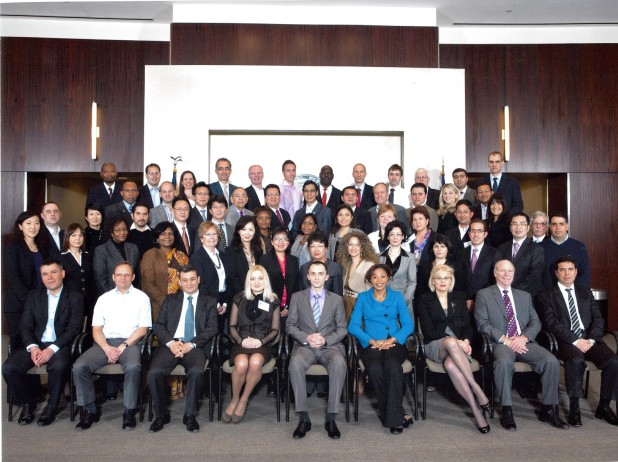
86, 422
332, 430
550, 416
128, 420
507, 421
407, 421
191, 423
607, 415
47, 417
158, 423
484, 430
575, 418
27, 414
322, 394
396, 430
112, 396
302, 429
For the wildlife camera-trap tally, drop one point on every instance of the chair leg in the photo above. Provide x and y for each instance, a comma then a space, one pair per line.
415, 394
346, 390
357, 374
587, 383
10, 393
424, 411
220, 404
72, 398
287, 399
277, 394
211, 405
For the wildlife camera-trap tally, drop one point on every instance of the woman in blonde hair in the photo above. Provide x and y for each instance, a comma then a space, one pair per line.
449, 195
254, 325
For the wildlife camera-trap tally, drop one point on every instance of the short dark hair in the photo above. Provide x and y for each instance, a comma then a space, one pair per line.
180, 198
459, 170
271, 186
318, 237
93, 206
219, 199
152, 164
396, 167
565, 259
521, 214
159, 228
52, 261
396, 224
478, 220
419, 185
317, 262
188, 268
375, 267
310, 182
465, 202
139, 204
348, 187
287, 162
483, 183
47, 203
559, 215
199, 184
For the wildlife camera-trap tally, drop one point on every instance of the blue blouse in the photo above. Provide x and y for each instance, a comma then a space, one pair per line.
381, 320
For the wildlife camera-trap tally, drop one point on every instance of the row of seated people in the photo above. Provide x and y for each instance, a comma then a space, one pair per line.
316, 321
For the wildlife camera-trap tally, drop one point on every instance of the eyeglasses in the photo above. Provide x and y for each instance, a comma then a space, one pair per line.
317, 246
210, 234
476, 231
281, 239
395, 235
442, 278
422, 177
272, 194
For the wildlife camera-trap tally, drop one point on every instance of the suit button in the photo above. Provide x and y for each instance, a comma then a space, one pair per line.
387, 327
386, 315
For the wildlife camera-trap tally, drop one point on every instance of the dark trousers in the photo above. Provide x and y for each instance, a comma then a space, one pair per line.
575, 365
386, 377
25, 387
163, 362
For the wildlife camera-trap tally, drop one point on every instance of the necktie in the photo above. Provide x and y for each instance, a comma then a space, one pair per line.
130, 208
391, 196
515, 249
474, 258
185, 239
511, 326
279, 217
575, 325
189, 321
358, 197
226, 194
316, 309
203, 213
495, 186
242, 213
110, 192
222, 237
154, 193
324, 199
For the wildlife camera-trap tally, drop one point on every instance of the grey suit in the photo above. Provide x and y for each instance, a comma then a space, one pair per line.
118, 210
331, 355
491, 319
469, 195
232, 216
404, 280
106, 257
157, 215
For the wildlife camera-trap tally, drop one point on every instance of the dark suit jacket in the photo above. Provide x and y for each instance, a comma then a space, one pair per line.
236, 269
499, 231
100, 195
209, 278
117, 210
509, 188
191, 233
67, 320
335, 277
205, 320
274, 221
362, 218
433, 198
195, 217
322, 215
21, 274
470, 195
144, 196
52, 248
277, 281
215, 188
529, 263
80, 279
106, 257
229, 232
434, 322
458, 243
491, 318
554, 314
483, 275
253, 200
367, 199
402, 216
334, 200
332, 325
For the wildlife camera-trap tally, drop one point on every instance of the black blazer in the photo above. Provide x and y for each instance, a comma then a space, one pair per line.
191, 235
529, 263
144, 196
334, 200
209, 278
367, 199
195, 217
99, 193
206, 326
52, 248
509, 188
274, 221
236, 269
67, 321
433, 198
292, 274
433, 321
335, 277
499, 232
253, 201
483, 275
455, 238
447, 221
117, 210
362, 218
21, 274
555, 317
80, 279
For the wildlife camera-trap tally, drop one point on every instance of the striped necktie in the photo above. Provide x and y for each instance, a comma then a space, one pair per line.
575, 325
317, 312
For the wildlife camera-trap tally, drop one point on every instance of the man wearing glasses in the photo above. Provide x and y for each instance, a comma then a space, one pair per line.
318, 248
278, 216
433, 195
199, 213
223, 170
323, 215
184, 234
237, 208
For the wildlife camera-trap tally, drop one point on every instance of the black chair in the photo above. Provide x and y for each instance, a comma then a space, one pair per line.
271, 367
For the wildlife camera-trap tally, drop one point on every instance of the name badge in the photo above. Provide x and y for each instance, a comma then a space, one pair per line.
264, 306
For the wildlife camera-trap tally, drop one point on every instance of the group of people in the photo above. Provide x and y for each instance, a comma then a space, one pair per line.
315, 263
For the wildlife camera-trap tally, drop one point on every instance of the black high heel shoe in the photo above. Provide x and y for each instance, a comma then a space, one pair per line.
483, 430
486, 408
407, 422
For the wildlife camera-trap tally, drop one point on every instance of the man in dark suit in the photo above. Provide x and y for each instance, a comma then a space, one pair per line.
460, 179
483, 195
218, 208
52, 318
316, 322
418, 197
278, 216
186, 325
380, 195
107, 192
124, 208
364, 192
53, 234
311, 205
503, 183
184, 233
149, 193
527, 256
572, 315
223, 170
318, 248
201, 195
255, 191
328, 195
362, 217
507, 316
459, 236
477, 261
433, 195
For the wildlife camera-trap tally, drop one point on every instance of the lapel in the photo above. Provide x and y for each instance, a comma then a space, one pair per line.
200, 312
174, 315
113, 251
499, 301
62, 304
562, 304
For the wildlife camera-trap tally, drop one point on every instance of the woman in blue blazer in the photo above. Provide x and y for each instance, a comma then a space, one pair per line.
381, 323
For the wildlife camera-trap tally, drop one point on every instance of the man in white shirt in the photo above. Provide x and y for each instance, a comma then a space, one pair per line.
433, 195
364, 192
291, 195
120, 321
51, 214
396, 193
255, 191
149, 193
459, 236
483, 194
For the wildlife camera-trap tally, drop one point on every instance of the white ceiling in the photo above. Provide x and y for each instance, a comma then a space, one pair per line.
449, 12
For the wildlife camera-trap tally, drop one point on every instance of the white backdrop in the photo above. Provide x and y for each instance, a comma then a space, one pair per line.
183, 104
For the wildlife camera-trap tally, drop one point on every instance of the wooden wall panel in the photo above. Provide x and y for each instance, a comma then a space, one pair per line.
304, 45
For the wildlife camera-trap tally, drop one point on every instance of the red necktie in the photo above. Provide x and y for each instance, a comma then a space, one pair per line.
358, 197
324, 199
279, 217
185, 239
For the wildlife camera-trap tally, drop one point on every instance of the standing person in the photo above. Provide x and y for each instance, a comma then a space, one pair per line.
380, 194
344, 223
459, 235
483, 194
52, 319
94, 232
218, 208
185, 187
124, 208
107, 192
291, 195
149, 193
498, 221
448, 203
223, 187
278, 215
364, 192
255, 191
378, 239
316, 322
263, 220
199, 213
185, 328
120, 322
502, 183
254, 326
77, 265
163, 211
22, 259
139, 233
328, 195
51, 214
396, 193
243, 254
312, 205
447, 330
381, 323
402, 264
356, 256
300, 247
418, 197
362, 217
184, 233
433, 195
460, 179
237, 208
422, 238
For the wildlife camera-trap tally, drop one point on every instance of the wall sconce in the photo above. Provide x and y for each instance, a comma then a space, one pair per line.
506, 135
94, 131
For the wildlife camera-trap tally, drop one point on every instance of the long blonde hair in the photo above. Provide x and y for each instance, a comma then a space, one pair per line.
268, 294
444, 207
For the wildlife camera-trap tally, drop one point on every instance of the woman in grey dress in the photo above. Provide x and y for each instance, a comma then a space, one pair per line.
445, 324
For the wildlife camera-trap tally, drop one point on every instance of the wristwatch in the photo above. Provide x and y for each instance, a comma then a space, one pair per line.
126, 345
